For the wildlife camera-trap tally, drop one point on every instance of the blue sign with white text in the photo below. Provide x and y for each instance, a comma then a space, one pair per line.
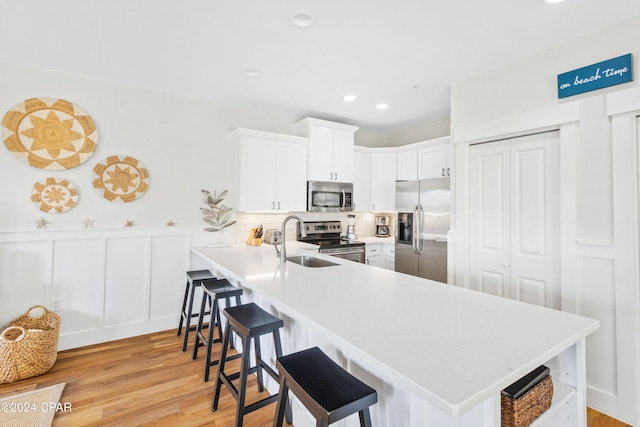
597, 76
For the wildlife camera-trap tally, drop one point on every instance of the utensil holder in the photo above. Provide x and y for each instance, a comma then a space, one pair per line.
252, 240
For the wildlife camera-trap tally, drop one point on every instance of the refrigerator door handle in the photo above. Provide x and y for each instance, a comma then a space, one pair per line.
413, 231
419, 222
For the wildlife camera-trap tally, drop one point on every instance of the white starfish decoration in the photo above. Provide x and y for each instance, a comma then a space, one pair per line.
88, 222
41, 223
170, 223
129, 223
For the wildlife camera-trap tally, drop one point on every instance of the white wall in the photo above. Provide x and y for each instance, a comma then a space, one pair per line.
522, 98
182, 142
531, 83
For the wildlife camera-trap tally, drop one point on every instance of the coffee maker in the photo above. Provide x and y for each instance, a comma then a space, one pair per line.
382, 226
351, 228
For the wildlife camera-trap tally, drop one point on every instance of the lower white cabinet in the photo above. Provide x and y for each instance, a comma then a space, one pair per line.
381, 255
374, 255
390, 257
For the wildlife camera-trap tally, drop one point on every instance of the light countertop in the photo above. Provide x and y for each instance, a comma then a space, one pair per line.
453, 347
369, 240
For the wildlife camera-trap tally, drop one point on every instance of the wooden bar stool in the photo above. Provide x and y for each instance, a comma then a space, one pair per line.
249, 322
194, 279
214, 291
329, 392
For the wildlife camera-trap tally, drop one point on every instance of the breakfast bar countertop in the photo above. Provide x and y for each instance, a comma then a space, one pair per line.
453, 347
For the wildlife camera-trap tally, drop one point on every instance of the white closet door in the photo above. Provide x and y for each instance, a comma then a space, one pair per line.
489, 204
535, 219
515, 215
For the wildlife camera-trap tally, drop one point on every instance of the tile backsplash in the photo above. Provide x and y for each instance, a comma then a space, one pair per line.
245, 221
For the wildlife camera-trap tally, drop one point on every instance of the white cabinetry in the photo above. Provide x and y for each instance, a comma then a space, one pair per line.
270, 171
390, 256
374, 255
407, 165
383, 180
362, 179
434, 161
331, 155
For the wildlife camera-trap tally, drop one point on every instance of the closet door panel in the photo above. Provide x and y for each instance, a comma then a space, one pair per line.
535, 219
489, 240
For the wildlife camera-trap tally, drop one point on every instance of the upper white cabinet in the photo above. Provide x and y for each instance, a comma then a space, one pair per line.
270, 171
362, 179
407, 165
383, 179
435, 161
331, 145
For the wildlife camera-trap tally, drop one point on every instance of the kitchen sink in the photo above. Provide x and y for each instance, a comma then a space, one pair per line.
309, 261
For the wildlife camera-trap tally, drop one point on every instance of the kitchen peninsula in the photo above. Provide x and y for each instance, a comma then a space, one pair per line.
438, 355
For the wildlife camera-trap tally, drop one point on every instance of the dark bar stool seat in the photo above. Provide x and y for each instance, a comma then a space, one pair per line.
249, 322
329, 392
214, 291
194, 279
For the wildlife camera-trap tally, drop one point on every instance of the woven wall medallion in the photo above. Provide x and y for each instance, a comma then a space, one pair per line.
54, 195
120, 179
49, 133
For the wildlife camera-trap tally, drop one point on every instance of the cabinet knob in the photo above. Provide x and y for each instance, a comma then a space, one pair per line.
505, 264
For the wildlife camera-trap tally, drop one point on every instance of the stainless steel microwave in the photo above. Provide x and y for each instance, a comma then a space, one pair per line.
328, 196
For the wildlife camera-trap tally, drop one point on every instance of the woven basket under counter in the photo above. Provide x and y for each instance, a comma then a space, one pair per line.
526, 409
28, 345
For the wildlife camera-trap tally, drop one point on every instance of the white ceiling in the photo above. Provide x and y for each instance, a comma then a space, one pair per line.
405, 53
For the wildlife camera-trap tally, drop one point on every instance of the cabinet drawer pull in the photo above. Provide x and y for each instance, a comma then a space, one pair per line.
442, 171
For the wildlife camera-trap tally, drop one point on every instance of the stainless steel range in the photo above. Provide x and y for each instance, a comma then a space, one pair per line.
327, 235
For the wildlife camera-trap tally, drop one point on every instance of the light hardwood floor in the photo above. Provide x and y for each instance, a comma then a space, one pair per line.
148, 380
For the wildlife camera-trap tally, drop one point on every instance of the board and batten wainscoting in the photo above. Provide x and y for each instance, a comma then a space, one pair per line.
110, 284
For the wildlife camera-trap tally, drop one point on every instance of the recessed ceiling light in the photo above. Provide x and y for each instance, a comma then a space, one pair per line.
302, 19
552, 1
252, 72
349, 98
382, 106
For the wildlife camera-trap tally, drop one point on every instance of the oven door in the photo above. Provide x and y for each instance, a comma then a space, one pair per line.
329, 196
352, 254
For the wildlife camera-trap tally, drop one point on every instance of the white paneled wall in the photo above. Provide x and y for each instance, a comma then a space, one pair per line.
111, 284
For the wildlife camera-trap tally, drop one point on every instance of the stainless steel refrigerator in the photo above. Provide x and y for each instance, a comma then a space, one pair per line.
423, 222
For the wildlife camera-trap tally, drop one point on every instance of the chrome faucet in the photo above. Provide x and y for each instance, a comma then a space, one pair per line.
283, 249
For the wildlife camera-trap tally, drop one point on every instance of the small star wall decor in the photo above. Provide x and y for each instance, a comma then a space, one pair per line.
129, 223
41, 223
88, 222
170, 223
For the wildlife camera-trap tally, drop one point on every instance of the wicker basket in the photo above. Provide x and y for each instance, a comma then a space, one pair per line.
523, 411
29, 345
